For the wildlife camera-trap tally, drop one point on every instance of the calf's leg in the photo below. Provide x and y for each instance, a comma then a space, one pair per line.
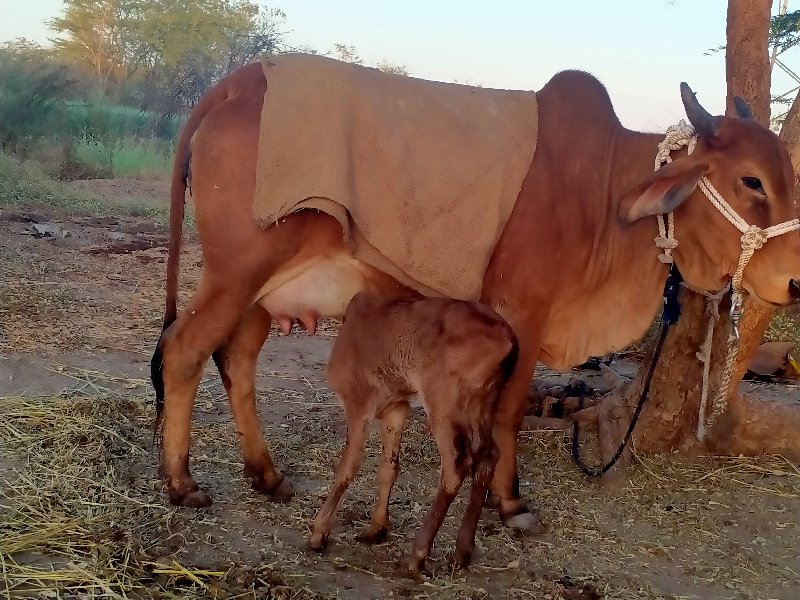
454, 469
393, 421
482, 471
348, 467
236, 362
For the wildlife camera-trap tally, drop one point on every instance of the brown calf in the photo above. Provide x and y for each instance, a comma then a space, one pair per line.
456, 356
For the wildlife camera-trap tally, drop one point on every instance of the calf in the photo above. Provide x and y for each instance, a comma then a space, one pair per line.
456, 356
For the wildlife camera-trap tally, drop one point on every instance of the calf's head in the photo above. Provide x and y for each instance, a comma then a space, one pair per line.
750, 168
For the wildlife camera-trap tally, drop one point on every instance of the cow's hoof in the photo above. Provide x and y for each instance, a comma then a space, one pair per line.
525, 522
416, 570
463, 556
317, 542
462, 560
371, 535
283, 492
195, 498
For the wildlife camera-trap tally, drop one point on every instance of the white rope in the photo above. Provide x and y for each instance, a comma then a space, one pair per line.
753, 238
704, 354
677, 137
752, 231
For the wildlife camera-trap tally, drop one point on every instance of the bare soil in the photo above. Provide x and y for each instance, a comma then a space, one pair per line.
79, 316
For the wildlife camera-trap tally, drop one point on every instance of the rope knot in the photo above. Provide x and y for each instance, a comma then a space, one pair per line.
754, 238
676, 137
664, 243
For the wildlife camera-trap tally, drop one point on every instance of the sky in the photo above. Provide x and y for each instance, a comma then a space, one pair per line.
640, 49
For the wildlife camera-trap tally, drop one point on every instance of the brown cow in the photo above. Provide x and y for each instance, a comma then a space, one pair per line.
456, 356
575, 272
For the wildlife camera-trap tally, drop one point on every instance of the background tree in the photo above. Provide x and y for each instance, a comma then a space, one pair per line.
32, 96
163, 54
350, 54
388, 67
347, 54
92, 33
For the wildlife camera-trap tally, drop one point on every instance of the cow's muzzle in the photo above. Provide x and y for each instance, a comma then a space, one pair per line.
794, 289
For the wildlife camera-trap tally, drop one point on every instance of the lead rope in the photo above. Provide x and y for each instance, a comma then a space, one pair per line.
669, 316
753, 238
704, 354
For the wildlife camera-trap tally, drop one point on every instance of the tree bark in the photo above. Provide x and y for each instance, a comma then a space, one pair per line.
747, 56
748, 74
790, 134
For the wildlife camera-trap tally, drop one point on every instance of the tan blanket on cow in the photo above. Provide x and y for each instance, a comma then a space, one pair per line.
422, 175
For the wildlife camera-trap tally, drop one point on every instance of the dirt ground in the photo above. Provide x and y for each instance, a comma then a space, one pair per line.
82, 513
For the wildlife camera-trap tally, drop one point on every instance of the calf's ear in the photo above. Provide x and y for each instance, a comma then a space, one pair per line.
662, 192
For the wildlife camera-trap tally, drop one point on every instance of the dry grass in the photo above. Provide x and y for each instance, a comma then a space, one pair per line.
80, 520
785, 327
56, 299
85, 516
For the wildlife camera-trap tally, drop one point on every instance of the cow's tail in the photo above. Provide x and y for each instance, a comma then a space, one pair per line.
180, 179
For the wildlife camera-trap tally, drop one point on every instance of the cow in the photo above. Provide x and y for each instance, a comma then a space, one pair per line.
456, 356
575, 271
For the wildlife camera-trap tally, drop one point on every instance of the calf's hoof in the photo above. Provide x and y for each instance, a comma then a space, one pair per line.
373, 535
191, 498
283, 492
416, 570
317, 541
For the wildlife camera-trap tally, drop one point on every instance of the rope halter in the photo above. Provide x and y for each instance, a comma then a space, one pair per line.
753, 238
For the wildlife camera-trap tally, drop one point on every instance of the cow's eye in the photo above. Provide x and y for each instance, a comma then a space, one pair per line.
754, 183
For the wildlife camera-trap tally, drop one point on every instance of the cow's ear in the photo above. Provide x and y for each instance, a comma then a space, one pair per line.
664, 191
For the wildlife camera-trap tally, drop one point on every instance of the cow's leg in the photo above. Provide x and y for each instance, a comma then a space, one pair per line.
236, 362
508, 420
208, 321
393, 421
233, 272
238, 257
349, 464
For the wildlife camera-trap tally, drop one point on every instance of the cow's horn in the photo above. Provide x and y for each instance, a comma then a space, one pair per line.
743, 108
704, 122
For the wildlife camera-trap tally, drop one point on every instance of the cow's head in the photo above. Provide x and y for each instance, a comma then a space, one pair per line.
750, 167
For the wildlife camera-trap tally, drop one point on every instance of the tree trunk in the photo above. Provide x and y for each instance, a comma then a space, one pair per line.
748, 74
669, 421
747, 56
790, 134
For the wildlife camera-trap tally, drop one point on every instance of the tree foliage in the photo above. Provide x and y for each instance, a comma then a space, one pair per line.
784, 31
350, 54
31, 94
93, 37
163, 53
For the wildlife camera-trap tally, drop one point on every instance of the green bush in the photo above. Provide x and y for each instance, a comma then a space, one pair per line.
27, 184
30, 102
125, 156
107, 121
